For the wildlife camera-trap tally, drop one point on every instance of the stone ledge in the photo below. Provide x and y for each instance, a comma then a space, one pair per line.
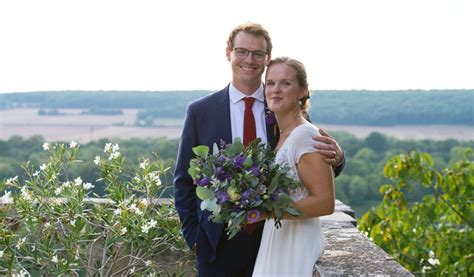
349, 253
338, 220
341, 207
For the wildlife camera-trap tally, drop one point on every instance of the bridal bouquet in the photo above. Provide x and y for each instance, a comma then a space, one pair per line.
239, 184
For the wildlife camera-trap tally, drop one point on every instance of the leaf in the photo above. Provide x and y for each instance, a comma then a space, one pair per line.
232, 232
218, 218
278, 213
237, 140
248, 162
215, 149
217, 210
293, 211
192, 172
238, 146
240, 218
254, 182
208, 171
201, 151
283, 200
204, 193
231, 151
257, 203
427, 158
209, 204
273, 184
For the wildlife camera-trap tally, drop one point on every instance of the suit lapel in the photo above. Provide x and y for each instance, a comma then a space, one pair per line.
222, 117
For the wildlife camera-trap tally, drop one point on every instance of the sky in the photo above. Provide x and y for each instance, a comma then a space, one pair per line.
157, 45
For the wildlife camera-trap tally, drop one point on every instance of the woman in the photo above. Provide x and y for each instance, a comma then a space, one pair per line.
293, 249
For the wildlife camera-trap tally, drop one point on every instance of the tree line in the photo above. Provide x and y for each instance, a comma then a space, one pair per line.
356, 107
358, 185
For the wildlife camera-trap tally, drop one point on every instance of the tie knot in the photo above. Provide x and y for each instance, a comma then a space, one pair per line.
249, 102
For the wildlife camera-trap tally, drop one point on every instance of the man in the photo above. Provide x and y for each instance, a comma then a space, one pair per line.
220, 117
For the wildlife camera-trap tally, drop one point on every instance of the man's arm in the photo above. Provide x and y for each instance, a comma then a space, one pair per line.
184, 188
331, 150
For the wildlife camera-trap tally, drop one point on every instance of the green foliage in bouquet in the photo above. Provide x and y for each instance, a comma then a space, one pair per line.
50, 226
433, 237
239, 183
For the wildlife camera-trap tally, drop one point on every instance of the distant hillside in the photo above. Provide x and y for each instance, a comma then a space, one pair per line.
387, 108
412, 107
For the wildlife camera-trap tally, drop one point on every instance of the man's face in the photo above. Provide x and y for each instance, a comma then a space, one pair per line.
247, 69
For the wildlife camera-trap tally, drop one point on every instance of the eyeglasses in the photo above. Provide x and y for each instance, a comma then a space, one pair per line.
243, 53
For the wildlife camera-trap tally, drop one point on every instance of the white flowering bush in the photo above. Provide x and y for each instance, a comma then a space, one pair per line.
50, 225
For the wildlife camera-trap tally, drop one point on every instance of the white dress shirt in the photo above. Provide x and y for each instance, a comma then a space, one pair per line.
237, 108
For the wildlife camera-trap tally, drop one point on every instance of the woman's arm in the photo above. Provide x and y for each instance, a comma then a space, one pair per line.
333, 153
317, 176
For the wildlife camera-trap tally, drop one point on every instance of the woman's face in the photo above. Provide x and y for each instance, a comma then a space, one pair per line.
282, 89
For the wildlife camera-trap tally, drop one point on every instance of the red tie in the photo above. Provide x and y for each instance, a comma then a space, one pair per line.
250, 131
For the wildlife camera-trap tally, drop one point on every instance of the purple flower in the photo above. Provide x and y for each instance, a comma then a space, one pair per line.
203, 182
236, 207
219, 172
222, 197
239, 161
228, 176
253, 216
246, 195
270, 118
247, 198
222, 175
276, 194
256, 171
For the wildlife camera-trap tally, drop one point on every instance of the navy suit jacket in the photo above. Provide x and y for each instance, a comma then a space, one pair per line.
207, 122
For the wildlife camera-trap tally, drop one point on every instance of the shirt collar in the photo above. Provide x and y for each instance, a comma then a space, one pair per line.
236, 95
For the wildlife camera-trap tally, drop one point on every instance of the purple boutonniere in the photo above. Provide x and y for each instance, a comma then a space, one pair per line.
270, 117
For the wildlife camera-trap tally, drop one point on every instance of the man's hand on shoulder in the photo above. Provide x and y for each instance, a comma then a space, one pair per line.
329, 148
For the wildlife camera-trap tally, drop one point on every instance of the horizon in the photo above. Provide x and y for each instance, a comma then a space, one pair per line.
206, 90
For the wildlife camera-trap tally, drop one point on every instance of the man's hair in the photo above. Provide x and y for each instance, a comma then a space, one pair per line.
251, 28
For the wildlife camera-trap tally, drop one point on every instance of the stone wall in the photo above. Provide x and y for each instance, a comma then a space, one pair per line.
349, 253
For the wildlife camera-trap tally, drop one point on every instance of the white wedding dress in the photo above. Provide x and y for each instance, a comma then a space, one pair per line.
294, 248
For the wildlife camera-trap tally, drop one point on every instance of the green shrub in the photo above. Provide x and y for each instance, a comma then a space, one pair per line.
50, 225
435, 236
